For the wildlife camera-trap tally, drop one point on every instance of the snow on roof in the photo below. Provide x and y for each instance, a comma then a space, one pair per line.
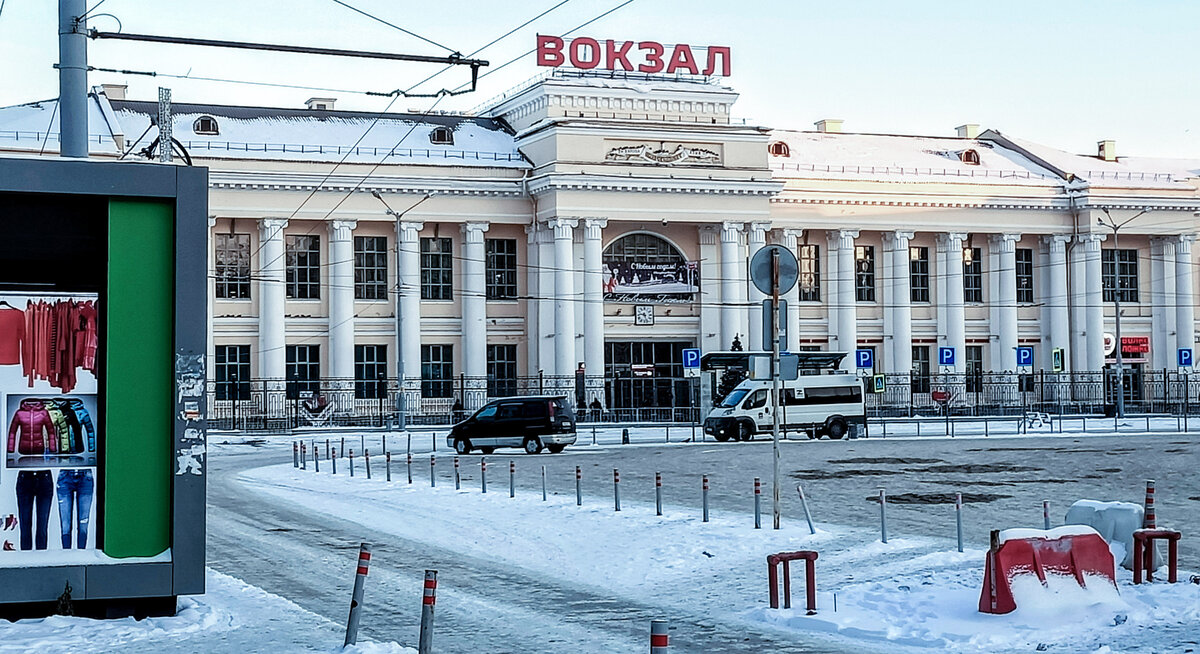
1125, 172
33, 126
322, 135
885, 157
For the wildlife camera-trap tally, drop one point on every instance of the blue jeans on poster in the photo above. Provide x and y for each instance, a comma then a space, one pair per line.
34, 487
74, 492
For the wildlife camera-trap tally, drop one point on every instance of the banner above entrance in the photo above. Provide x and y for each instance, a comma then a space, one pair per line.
635, 282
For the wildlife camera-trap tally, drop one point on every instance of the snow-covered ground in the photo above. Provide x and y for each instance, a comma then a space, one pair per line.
230, 617
912, 592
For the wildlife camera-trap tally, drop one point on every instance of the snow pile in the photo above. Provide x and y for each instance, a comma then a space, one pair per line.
908, 592
1046, 534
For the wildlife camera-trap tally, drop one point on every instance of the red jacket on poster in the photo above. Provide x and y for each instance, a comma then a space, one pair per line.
32, 423
12, 332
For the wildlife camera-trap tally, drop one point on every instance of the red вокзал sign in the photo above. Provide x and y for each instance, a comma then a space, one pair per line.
587, 53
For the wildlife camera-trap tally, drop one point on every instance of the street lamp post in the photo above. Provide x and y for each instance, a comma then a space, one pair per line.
1116, 227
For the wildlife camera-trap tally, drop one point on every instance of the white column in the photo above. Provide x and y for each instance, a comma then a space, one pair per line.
900, 327
733, 284
847, 308
756, 239
1094, 301
593, 309
210, 346
545, 303
1056, 300
474, 315
1005, 246
1163, 317
408, 314
1185, 297
272, 344
710, 291
564, 302
530, 273
791, 241
341, 313
1078, 351
955, 326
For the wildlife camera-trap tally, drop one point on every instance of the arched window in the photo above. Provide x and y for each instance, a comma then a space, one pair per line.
779, 149
441, 136
642, 248
969, 157
206, 125
646, 268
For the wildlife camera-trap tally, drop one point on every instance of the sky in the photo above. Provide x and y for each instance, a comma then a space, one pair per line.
1066, 74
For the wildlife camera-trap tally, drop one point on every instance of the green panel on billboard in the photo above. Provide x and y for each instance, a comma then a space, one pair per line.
139, 382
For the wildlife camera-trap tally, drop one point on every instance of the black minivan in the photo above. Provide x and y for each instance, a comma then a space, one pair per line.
531, 423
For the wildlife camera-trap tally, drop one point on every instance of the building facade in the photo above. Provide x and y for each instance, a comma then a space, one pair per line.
576, 234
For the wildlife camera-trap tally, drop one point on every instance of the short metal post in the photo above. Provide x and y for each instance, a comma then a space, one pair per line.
882, 515
578, 486
433, 440
1149, 521
625, 436
804, 505
593, 434
432, 471
316, 457
543, 483
658, 493
704, 495
958, 507
410, 467
367, 462
342, 449
387, 459
457, 479
327, 448
660, 637
356, 599
757, 503
512, 477
333, 460
668, 432
351, 463
616, 490
303, 456
295, 454
428, 600
1046, 515
362, 442
483, 474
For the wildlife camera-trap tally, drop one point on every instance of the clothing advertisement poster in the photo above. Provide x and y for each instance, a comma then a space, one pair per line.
53, 433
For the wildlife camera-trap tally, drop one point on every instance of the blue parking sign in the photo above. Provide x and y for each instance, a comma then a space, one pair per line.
691, 357
945, 356
1025, 356
1185, 357
864, 358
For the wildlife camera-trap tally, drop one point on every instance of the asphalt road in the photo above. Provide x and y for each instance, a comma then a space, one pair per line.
488, 607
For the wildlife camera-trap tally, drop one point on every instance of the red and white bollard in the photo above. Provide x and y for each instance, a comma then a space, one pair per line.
483, 474
295, 454
303, 457
410, 467
360, 579
457, 479
757, 503
578, 486
432, 471
704, 495
512, 477
1149, 521
428, 600
660, 637
616, 489
658, 493
1046, 515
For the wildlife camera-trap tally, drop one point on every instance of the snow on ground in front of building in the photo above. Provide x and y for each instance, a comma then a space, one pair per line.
909, 592
231, 616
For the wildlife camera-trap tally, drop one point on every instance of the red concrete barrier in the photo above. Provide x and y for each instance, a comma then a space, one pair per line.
1072, 551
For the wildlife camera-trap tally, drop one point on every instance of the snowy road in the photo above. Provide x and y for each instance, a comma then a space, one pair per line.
484, 606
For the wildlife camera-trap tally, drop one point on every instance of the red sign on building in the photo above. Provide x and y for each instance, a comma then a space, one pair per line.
587, 53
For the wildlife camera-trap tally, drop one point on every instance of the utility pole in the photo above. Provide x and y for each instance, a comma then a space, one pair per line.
1116, 227
776, 509
72, 79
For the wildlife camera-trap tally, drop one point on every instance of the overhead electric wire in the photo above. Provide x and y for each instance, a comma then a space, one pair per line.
397, 27
152, 73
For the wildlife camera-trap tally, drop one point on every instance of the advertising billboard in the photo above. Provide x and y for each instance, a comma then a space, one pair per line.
651, 283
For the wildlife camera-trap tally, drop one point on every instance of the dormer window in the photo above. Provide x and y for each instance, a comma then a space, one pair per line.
969, 157
206, 125
442, 136
779, 149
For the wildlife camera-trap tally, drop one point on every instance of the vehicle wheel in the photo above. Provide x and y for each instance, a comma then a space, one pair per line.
813, 434
745, 433
837, 429
555, 449
462, 446
721, 437
533, 445
487, 450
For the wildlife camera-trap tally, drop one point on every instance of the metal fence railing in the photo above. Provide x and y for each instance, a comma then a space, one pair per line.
278, 405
